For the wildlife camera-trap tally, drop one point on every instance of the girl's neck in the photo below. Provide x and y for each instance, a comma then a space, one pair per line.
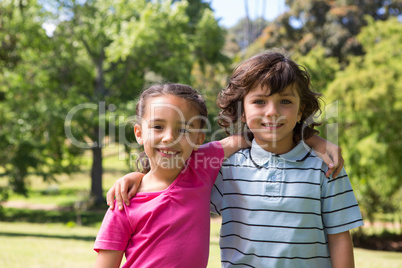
155, 181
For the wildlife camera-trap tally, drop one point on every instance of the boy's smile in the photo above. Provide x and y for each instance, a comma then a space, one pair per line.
272, 118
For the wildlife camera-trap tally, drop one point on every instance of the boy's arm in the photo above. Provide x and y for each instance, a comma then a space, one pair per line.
109, 259
233, 143
124, 188
328, 152
341, 250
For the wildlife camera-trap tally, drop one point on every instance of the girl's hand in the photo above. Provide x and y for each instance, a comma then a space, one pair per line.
124, 188
333, 158
329, 153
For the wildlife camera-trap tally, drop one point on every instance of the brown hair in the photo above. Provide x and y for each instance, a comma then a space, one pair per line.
272, 71
183, 91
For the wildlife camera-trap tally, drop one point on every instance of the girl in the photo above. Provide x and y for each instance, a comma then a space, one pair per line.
278, 208
168, 223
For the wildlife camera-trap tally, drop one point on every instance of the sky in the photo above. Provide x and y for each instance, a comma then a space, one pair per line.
231, 11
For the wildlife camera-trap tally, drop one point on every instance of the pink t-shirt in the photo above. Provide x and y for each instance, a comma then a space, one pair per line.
168, 228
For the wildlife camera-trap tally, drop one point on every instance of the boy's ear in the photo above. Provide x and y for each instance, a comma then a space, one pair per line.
300, 114
138, 134
200, 140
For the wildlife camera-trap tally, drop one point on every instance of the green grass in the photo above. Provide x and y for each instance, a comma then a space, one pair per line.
58, 245
377, 259
46, 245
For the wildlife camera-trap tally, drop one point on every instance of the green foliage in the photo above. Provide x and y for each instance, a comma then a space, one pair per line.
370, 108
89, 218
89, 70
322, 69
31, 114
332, 25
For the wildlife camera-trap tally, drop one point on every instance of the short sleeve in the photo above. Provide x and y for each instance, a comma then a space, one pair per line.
115, 231
340, 210
209, 158
216, 194
213, 151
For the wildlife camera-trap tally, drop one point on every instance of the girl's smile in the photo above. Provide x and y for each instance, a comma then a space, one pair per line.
168, 152
169, 131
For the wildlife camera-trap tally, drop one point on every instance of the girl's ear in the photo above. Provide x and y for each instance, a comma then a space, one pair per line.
138, 134
199, 141
243, 117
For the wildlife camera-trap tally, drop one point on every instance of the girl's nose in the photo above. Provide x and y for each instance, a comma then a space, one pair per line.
168, 136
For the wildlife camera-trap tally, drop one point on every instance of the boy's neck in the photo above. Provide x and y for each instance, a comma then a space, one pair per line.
276, 147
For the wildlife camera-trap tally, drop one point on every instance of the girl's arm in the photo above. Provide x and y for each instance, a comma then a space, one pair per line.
341, 250
328, 152
233, 143
109, 259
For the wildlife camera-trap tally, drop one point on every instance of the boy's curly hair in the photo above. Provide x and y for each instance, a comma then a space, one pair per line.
273, 71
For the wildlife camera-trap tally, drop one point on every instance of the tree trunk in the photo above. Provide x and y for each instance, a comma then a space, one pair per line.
96, 176
246, 27
97, 167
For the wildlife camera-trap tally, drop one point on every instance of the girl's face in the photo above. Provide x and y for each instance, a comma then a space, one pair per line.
169, 131
272, 118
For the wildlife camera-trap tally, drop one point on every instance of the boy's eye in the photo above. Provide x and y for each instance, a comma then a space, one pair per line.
183, 130
157, 127
285, 101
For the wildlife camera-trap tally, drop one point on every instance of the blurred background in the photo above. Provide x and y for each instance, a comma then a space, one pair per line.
71, 70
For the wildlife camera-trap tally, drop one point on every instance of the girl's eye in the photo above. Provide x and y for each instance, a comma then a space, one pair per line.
258, 102
157, 127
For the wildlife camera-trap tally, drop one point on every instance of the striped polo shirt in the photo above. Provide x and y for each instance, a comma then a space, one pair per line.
278, 209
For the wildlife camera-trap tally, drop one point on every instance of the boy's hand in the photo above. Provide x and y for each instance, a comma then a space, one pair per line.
124, 188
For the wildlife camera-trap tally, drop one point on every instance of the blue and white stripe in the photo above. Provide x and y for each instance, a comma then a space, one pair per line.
278, 209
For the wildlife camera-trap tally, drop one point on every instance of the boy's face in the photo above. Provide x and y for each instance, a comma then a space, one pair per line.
169, 131
272, 118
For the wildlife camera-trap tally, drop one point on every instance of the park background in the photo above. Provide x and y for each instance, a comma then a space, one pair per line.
71, 70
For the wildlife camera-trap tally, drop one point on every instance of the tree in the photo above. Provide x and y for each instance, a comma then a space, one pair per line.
332, 25
322, 69
84, 76
32, 139
370, 108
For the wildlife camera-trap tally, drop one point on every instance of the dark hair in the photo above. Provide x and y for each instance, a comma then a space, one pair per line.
276, 72
183, 91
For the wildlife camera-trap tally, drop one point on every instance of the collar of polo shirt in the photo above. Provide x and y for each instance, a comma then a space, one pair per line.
259, 156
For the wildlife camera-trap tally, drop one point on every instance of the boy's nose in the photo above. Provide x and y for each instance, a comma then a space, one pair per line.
271, 110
